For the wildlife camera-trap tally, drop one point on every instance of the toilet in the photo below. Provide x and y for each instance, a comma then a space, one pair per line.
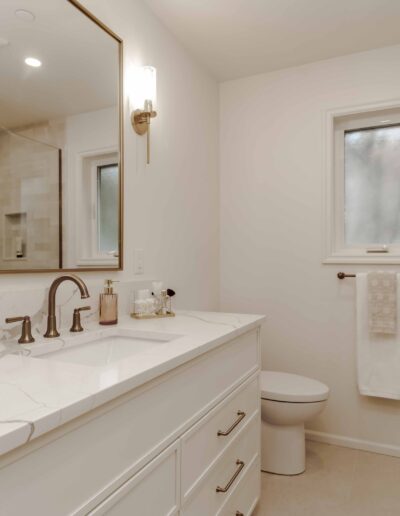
287, 402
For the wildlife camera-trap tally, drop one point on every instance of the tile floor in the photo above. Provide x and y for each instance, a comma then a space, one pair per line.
338, 482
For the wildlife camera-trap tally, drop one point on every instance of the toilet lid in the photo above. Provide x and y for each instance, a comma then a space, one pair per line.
291, 387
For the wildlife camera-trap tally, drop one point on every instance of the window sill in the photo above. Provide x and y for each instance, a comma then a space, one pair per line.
387, 259
98, 262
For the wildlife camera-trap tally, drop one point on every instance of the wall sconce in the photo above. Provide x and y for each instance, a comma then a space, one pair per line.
143, 100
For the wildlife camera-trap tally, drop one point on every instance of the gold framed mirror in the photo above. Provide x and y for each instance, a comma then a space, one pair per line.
61, 139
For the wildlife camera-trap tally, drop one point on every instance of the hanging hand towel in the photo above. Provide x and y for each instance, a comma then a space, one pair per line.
382, 302
378, 354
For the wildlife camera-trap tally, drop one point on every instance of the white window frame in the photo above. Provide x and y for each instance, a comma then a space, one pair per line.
336, 251
94, 195
93, 258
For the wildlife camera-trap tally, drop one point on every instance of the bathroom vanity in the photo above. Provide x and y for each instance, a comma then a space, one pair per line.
158, 417
152, 417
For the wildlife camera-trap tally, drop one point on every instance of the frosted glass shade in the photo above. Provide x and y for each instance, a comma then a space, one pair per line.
143, 87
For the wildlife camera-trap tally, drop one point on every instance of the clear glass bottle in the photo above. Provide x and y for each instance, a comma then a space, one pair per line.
108, 305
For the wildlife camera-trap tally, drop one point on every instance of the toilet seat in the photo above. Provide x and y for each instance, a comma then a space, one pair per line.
287, 387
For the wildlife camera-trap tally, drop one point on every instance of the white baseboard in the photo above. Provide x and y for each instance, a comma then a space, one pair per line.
350, 442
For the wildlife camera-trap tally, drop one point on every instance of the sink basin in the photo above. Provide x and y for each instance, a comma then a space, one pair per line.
102, 350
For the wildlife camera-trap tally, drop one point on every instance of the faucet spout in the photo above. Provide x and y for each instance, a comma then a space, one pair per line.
51, 331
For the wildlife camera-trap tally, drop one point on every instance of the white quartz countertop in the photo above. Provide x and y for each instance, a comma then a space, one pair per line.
38, 395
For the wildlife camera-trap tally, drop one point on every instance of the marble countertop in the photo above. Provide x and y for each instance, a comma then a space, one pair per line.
38, 395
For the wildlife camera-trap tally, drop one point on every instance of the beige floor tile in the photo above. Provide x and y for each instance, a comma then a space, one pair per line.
338, 482
376, 485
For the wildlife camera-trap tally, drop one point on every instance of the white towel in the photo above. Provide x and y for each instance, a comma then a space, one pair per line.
382, 302
378, 354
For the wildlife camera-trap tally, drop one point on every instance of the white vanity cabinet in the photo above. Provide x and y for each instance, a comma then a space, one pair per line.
155, 489
161, 449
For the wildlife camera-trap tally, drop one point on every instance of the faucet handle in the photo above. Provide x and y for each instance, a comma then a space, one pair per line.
26, 334
76, 319
79, 309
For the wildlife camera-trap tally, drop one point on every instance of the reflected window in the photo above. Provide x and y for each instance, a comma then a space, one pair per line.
107, 207
99, 187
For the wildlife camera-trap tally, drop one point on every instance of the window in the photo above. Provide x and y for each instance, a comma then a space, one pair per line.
363, 216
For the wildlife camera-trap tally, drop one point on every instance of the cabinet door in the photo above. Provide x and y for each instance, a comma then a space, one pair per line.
151, 492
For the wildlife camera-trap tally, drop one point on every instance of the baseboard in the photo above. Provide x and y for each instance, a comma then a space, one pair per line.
350, 442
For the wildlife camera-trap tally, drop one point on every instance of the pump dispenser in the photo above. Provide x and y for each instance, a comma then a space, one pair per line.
108, 304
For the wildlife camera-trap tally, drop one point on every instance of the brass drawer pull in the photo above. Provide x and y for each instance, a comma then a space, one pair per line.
241, 415
219, 489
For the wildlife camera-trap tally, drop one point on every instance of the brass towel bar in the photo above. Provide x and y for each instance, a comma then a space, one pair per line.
342, 275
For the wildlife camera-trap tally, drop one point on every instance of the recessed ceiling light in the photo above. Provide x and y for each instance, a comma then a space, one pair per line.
3, 42
25, 15
32, 61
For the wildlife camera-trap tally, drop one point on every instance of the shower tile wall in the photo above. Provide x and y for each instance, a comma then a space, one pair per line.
29, 197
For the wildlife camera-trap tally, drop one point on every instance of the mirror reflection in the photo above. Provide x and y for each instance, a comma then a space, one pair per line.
60, 174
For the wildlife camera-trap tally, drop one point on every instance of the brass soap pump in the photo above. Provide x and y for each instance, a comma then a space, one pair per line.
108, 304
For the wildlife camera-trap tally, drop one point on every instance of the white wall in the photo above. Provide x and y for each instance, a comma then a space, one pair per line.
92, 133
171, 206
272, 229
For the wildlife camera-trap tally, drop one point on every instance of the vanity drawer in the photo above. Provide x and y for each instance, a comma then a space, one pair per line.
204, 443
246, 494
151, 492
226, 473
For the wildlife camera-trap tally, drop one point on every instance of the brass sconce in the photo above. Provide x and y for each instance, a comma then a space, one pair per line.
145, 89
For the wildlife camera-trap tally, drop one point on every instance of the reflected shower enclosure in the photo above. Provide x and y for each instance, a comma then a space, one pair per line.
30, 210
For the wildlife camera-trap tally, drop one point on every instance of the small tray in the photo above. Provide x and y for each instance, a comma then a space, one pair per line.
152, 316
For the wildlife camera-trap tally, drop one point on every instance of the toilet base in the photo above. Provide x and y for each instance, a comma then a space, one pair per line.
283, 449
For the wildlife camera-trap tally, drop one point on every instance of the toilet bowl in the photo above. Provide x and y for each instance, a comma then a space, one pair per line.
287, 402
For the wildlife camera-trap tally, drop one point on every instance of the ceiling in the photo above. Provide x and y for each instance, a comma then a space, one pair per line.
236, 38
80, 70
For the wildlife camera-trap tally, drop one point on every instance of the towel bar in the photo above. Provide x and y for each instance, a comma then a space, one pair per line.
342, 275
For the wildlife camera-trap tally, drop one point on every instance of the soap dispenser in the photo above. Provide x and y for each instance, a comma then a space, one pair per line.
108, 304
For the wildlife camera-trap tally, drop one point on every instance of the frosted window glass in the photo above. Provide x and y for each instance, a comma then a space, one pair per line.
372, 186
108, 194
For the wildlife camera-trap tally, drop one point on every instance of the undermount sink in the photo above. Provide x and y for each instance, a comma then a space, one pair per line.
102, 350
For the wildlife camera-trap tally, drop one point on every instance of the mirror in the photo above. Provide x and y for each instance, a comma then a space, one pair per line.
60, 139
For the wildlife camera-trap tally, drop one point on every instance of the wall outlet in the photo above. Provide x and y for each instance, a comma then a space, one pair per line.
138, 267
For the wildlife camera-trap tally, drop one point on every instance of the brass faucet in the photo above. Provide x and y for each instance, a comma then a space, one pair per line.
51, 331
